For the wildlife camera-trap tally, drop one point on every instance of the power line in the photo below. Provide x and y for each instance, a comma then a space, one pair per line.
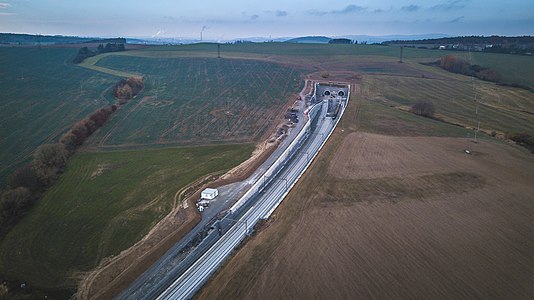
477, 115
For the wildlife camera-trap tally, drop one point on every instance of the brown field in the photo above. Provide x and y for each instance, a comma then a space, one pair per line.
395, 217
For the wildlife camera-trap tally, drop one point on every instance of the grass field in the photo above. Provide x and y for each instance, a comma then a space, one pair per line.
391, 215
513, 68
200, 100
501, 109
103, 204
41, 95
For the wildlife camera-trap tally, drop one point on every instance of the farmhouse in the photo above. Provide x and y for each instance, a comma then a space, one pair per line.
209, 194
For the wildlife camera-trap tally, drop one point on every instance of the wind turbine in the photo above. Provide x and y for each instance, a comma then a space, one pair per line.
202, 31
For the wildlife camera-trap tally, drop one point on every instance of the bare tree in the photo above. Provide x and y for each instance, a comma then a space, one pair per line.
423, 108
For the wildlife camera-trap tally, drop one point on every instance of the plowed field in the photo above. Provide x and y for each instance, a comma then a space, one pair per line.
395, 217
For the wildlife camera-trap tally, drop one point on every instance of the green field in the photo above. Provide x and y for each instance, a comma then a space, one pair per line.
199, 100
103, 204
41, 95
513, 68
500, 109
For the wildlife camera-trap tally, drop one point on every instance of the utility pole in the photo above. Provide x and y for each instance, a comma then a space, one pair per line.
477, 115
478, 118
239, 222
401, 53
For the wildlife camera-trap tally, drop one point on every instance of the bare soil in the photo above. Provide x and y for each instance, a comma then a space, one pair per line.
394, 218
364, 155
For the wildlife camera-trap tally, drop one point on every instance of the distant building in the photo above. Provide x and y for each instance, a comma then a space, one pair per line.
209, 194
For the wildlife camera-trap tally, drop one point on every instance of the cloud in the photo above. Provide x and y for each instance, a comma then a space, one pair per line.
456, 20
352, 8
280, 13
254, 17
276, 13
4, 5
451, 5
411, 8
349, 9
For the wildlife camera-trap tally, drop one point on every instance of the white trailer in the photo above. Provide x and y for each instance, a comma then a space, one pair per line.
209, 194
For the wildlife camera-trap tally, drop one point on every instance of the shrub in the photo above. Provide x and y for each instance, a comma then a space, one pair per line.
83, 53
423, 108
127, 89
524, 139
84, 128
460, 66
49, 160
24, 177
13, 201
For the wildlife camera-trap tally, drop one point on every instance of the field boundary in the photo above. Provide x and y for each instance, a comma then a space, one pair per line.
90, 63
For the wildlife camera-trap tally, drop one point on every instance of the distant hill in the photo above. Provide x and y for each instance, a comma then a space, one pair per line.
494, 39
31, 39
370, 39
310, 40
106, 41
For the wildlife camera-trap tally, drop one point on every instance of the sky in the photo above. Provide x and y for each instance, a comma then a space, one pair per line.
230, 19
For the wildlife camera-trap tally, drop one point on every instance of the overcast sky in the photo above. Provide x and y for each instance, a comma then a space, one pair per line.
227, 19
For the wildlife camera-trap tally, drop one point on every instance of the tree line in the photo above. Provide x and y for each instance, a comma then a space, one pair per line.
343, 41
494, 44
454, 64
85, 52
27, 184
